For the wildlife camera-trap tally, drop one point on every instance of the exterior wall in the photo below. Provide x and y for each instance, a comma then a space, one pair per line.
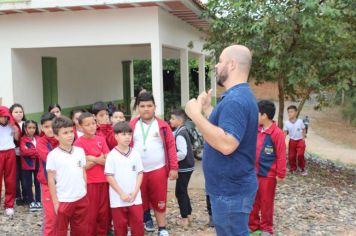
85, 75
6, 95
177, 33
83, 43
81, 28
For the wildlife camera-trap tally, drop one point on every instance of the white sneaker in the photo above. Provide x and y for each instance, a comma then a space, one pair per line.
163, 232
33, 207
9, 211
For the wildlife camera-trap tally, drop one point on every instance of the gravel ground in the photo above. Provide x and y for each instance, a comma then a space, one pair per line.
322, 203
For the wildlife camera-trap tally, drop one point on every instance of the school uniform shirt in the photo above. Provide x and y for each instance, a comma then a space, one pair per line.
295, 129
124, 167
94, 146
167, 137
152, 152
68, 168
44, 146
271, 152
28, 152
6, 138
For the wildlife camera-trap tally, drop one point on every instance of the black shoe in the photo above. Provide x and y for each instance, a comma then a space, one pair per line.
19, 202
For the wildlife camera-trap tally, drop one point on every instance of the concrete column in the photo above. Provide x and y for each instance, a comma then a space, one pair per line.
201, 73
6, 88
184, 76
132, 83
157, 76
213, 81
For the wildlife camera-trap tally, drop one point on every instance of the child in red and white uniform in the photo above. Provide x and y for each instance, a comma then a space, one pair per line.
104, 126
74, 115
18, 114
95, 149
45, 144
8, 132
154, 140
123, 171
295, 128
67, 181
30, 163
270, 168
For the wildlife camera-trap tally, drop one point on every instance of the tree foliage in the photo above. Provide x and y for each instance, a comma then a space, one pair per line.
307, 46
172, 99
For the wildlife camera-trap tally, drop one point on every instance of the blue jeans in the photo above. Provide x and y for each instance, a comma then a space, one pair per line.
231, 214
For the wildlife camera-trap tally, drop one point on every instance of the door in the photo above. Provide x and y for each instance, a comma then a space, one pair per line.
49, 81
126, 85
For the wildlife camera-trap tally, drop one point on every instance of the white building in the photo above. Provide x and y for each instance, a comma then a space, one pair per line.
76, 52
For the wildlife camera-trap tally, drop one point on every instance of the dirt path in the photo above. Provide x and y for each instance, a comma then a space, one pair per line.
320, 146
329, 150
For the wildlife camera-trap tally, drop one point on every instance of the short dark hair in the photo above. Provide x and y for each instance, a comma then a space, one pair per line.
122, 127
61, 122
145, 97
47, 117
99, 106
118, 110
292, 107
73, 112
50, 107
27, 122
267, 107
180, 113
12, 108
138, 90
83, 116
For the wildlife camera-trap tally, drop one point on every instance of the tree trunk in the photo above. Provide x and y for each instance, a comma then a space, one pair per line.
304, 99
281, 101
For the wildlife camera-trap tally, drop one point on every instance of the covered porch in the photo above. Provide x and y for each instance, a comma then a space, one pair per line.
90, 55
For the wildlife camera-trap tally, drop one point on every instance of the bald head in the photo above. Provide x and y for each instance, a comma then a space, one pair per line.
241, 55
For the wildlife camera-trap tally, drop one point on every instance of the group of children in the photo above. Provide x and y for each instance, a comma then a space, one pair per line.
93, 161
93, 170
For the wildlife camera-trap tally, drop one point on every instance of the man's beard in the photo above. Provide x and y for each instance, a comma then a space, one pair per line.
221, 77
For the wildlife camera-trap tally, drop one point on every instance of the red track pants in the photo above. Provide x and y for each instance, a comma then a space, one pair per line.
128, 216
261, 217
49, 216
98, 213
296, 149
75, 214
8, 170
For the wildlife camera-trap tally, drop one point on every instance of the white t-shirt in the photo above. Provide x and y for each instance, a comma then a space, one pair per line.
70, 184
34, 142
6, 138
79, 133
124, 168
295, 130
152, 153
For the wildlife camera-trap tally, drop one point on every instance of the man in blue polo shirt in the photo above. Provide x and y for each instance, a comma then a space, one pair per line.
230, 147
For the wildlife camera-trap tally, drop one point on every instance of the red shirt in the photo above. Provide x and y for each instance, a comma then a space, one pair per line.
94, 147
